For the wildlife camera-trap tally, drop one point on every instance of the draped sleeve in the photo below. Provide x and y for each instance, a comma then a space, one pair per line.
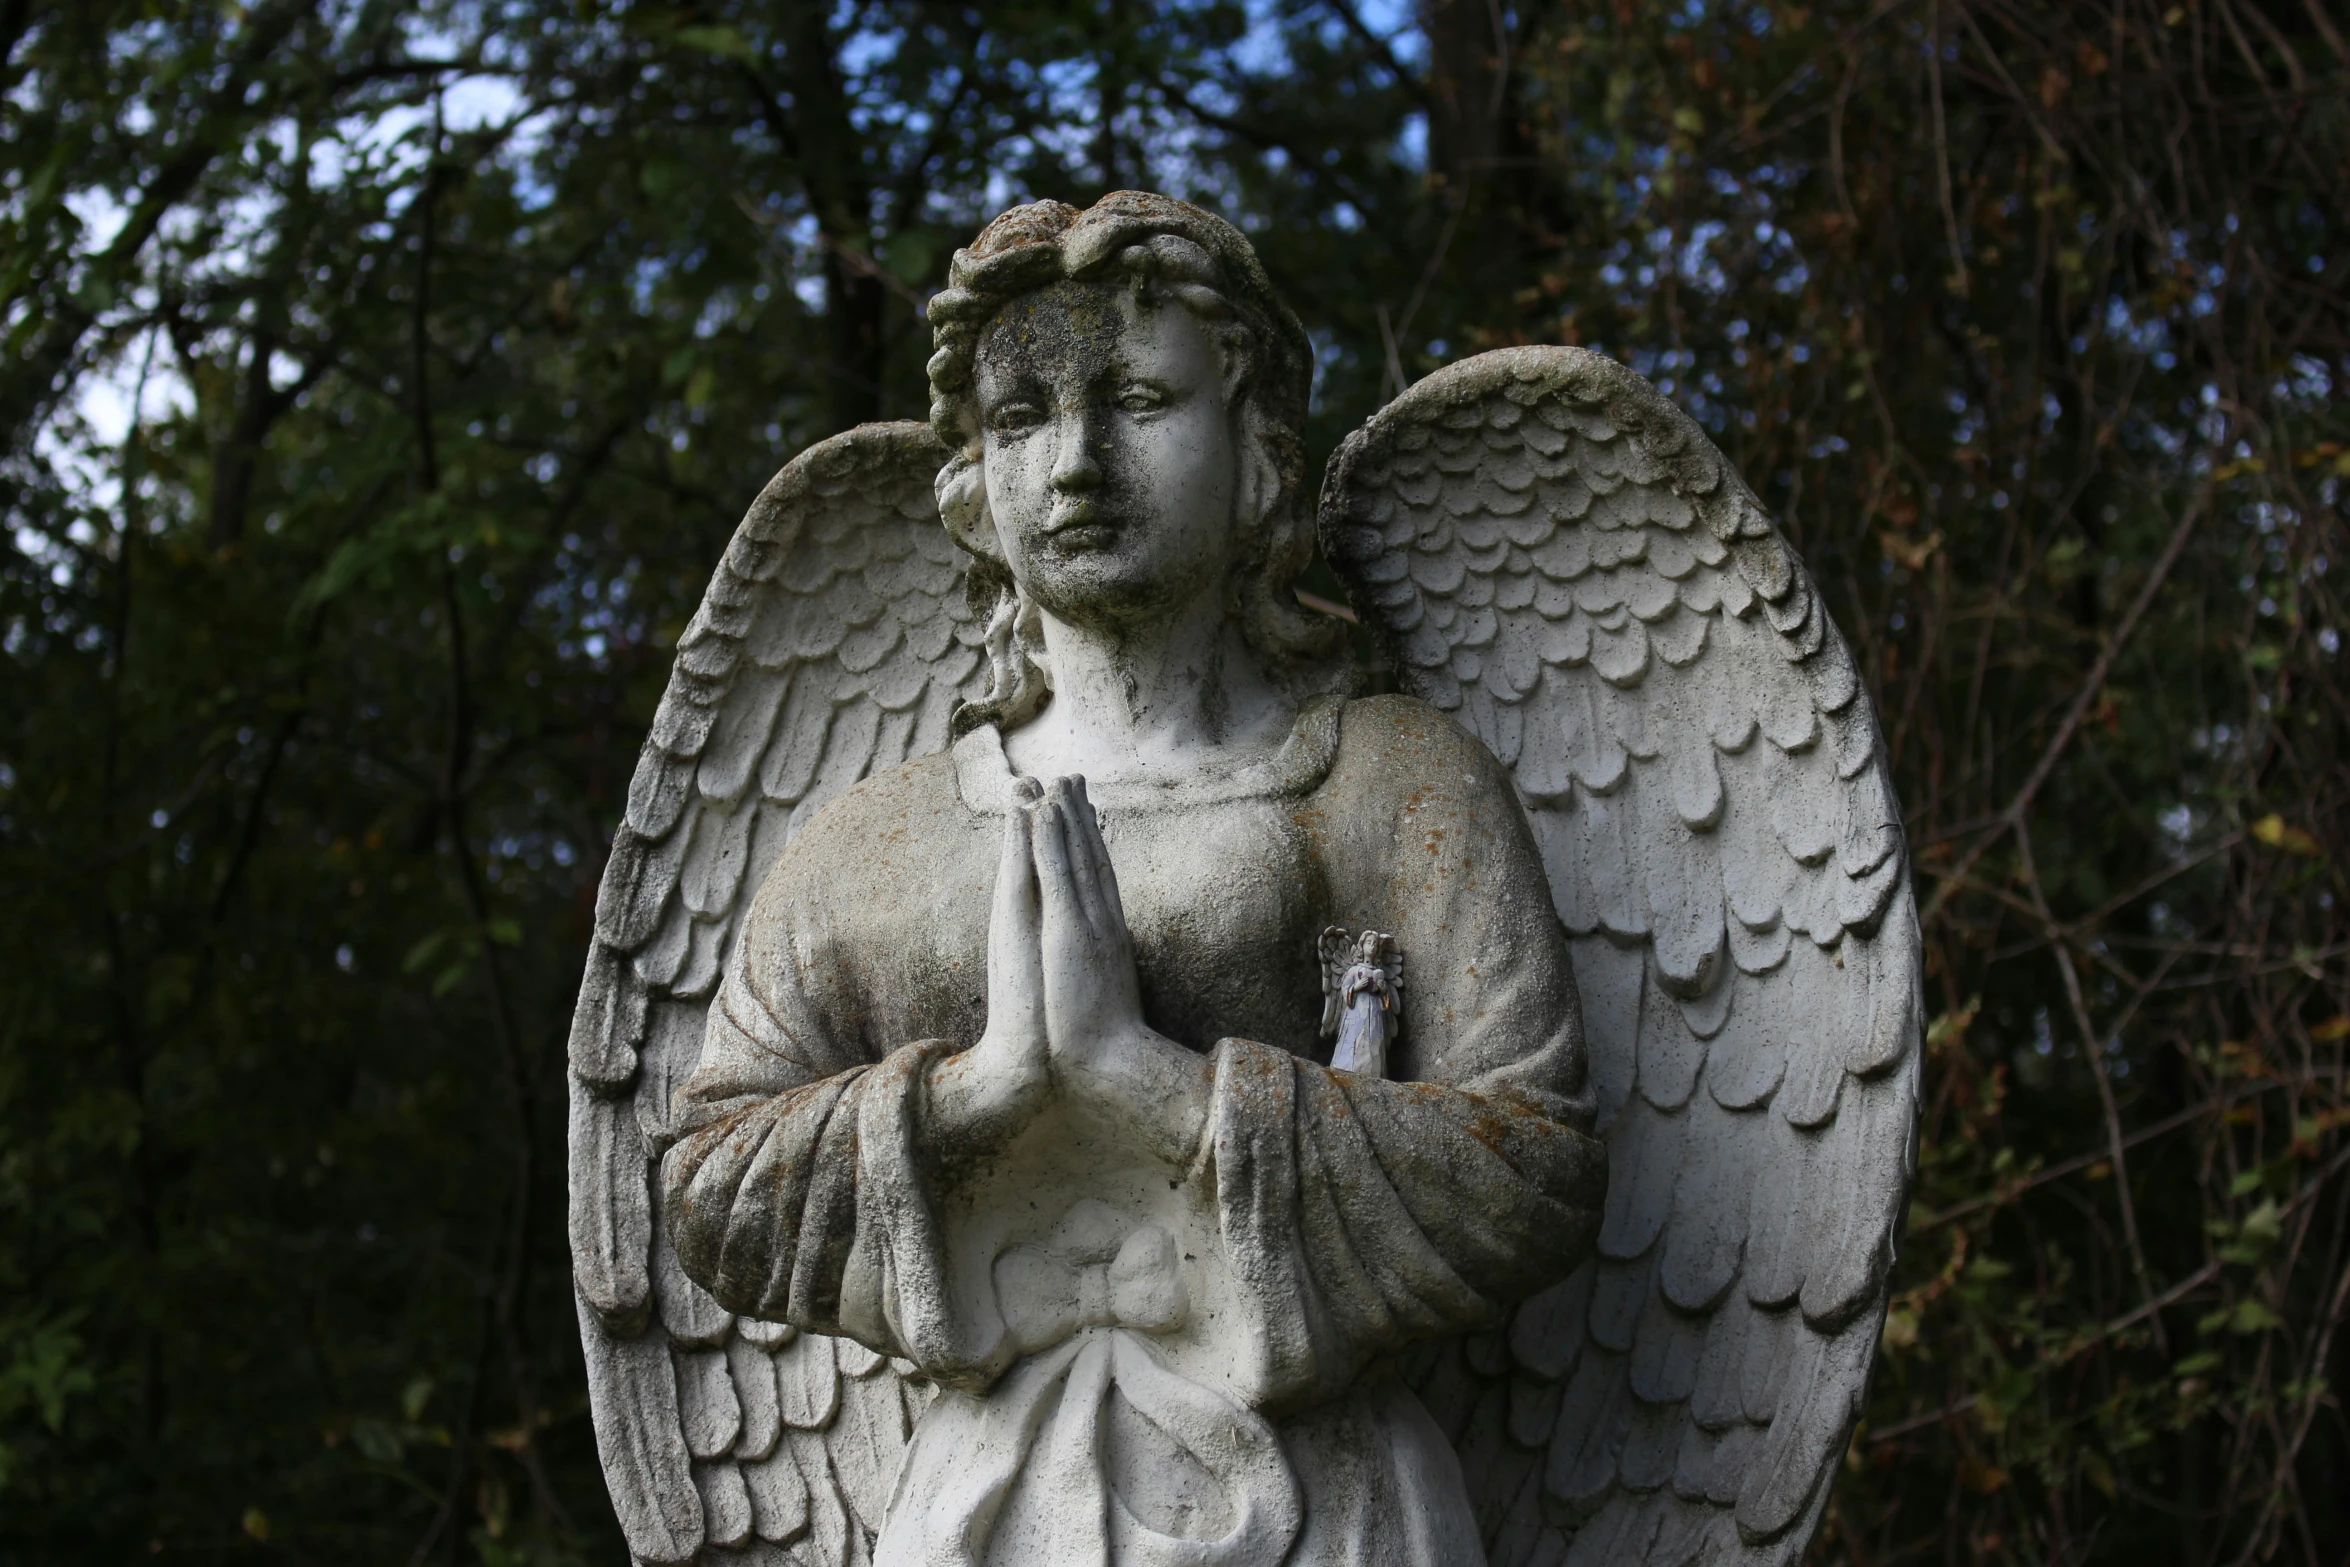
805, 1199
797, 1184
1359, 1214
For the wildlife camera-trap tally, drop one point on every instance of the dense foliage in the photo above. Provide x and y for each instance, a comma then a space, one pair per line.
381, 379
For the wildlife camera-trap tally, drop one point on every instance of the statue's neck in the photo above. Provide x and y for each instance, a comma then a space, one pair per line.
1164, 699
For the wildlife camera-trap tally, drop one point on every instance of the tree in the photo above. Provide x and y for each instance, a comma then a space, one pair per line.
380, 383
2026, 322
381, 380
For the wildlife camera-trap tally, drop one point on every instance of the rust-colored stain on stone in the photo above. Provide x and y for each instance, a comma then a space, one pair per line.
827, 1163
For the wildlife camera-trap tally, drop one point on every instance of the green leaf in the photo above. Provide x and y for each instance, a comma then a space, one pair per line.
908, 255
45, 1367
2256, 1236
95, 293
424, 953
377, 1439
724, 41
2252, 1316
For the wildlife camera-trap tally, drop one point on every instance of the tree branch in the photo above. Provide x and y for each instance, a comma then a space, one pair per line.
2018, 808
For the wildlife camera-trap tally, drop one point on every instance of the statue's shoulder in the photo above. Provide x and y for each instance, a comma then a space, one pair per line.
890, 823
1404, 766
1399, 744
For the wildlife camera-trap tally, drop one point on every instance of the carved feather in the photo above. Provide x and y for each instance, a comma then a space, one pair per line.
611, 1211
834, 639
1538, 533
632, 1399
779, 1497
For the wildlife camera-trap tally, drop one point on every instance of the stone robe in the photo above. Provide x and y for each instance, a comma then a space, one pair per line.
1146, 1363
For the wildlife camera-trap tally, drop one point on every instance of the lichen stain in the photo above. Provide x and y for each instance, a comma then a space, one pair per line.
1492, 1127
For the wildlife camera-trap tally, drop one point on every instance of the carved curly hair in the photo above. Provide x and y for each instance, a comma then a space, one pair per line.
1167, 251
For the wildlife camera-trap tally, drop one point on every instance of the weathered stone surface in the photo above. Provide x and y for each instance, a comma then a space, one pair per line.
965, 1138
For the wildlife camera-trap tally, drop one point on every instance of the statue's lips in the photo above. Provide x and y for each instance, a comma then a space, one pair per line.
1082, 530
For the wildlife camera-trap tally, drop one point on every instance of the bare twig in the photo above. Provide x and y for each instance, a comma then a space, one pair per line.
1452, 223
2116, 1147
2094, 682
1379, 48
1322, 606
1393, 381
1958, 272
2079, 1162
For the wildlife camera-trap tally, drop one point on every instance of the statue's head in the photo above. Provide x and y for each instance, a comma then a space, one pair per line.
1126, 400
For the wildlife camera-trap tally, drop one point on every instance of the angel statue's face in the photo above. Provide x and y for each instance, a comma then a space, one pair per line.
1111, 462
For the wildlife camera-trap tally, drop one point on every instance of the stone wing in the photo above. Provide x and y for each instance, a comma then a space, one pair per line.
834, 639
1336, 950
1560, 558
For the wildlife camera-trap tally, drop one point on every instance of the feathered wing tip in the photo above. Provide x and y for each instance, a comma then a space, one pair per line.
1559, 557
835, 639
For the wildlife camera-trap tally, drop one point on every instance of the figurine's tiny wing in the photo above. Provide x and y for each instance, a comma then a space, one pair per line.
1336, 949
1561, 559
834, 640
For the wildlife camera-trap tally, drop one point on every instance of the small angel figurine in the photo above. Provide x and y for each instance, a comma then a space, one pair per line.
955, 1176
1362, 998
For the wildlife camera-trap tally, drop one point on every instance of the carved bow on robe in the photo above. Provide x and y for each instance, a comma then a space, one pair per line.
1092, 1449
1045, 1296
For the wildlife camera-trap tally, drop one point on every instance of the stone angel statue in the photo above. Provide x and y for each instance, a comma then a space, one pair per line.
960, 1170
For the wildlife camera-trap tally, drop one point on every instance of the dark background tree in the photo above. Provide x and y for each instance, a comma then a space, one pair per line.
380, 381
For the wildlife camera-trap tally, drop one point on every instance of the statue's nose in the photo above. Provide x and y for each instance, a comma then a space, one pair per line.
1076, 467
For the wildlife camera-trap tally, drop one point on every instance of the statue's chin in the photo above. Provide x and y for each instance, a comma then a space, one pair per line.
1110, 588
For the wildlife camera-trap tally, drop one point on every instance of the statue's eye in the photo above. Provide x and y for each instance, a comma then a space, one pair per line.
1015, 418
1141, 399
